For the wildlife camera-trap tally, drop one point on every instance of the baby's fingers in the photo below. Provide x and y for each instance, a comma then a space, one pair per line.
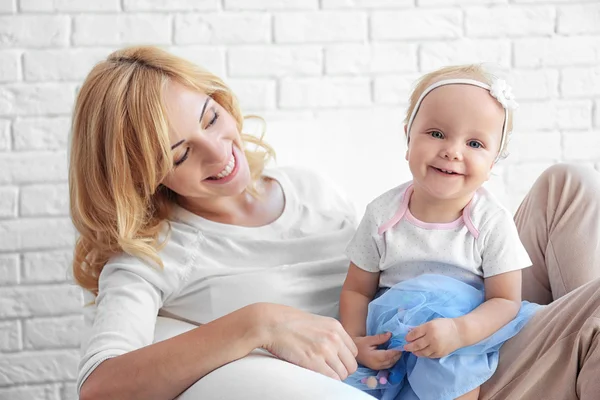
416, 333
417, 345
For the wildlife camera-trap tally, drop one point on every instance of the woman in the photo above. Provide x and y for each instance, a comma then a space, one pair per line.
178, 218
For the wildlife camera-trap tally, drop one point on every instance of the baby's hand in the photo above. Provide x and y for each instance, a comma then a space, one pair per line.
434, 339
370, 356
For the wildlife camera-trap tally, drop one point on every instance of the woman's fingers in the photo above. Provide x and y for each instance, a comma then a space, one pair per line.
348, 359
349, 343
324, 368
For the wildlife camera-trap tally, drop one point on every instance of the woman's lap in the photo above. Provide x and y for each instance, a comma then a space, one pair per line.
259, 376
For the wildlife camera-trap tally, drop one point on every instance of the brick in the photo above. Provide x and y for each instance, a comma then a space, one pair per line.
416, 24
209, 58
69, 391
36, 99
50, 65
560, 114
10, 337
520, 177
332, 92
578, 19
274, 61
9, 269
121, 29
9, 66
254, 95
509, 21
5, 135
5, 140
394, 89
29, 392
33, 167
534, 84
579, 146
35, 31
8, 201
36, 234
320, 27
40, 301
69, 5
557, 52
41, 133
44, 200
358, 58
264, 5
230, 28
52, 333
8, 6
437, 3
171, 5
48, 266
580, 82
535, 146
366, 3
435, 55
39, 366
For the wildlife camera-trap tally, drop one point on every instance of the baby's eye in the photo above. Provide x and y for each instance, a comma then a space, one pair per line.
474, 144
437, 134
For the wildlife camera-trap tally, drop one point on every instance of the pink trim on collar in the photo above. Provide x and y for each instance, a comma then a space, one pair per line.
404, 211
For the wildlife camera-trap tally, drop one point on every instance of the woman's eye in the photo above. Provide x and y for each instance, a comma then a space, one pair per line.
474, 144
183, 158
437, 134
213, 120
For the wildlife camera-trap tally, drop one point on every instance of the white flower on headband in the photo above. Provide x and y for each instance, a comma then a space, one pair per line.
503, 93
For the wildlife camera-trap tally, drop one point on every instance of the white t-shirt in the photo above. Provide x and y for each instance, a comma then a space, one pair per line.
212, 269
483, 242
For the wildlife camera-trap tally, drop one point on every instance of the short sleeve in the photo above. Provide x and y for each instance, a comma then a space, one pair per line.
366, 247
502, 247
122, 317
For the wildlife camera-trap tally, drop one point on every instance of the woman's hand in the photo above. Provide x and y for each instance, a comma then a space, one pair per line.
434, 339
372, 357
311, 341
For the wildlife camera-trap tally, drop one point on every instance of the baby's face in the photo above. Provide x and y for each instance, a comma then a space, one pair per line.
454, 140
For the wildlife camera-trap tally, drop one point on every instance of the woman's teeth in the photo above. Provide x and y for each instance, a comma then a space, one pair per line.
226, 171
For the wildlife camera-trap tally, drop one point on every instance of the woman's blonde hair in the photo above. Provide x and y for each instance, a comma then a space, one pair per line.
469, 71
120, 153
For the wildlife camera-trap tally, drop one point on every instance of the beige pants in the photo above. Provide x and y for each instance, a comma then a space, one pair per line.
557, 355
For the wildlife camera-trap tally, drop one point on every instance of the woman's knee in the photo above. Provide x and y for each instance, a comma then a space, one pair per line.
571, 175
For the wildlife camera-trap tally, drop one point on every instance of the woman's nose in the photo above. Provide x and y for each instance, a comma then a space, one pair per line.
213, 149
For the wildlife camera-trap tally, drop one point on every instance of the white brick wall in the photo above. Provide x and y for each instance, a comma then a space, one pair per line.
331, 77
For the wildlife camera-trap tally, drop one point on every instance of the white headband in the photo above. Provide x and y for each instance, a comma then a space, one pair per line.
499, 90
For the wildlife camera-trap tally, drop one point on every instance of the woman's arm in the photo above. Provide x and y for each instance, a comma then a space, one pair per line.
503, 301
163, 370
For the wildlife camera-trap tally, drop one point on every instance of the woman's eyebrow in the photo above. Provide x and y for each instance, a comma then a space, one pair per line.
204, 108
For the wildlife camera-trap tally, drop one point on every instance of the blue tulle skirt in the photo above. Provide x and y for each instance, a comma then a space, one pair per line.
412, 303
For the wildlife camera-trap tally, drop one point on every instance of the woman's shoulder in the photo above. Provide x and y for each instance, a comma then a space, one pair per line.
312, 188
174, 251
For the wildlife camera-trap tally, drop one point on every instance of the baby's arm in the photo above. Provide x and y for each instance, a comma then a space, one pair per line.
440, 337
358, 290
502, 303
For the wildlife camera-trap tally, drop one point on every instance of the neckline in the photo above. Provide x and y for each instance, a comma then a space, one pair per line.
206, 225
